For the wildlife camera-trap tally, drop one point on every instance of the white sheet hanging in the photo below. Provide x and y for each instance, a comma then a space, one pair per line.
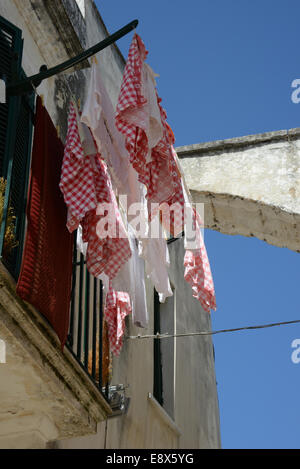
99, 115
131, 279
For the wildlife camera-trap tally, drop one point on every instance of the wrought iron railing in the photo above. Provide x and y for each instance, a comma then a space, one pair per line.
87, 339
88, 336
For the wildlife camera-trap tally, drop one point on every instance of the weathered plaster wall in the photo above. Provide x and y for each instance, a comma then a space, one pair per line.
250, 185
33, 56
196, 400
44, 43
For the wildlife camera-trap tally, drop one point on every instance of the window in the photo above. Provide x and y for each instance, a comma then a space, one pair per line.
164, 354
16, 124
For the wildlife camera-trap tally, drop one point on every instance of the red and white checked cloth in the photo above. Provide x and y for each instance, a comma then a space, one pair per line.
77, 176
161, 175
107, 250
172, 211
131, 99
85, 184
197, 272
117, 307
156, 174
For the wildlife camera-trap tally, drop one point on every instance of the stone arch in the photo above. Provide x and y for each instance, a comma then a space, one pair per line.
249, 185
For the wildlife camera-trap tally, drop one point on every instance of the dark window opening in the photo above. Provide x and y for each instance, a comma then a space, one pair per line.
164, 354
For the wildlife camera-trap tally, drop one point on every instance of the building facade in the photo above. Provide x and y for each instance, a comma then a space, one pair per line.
161, 393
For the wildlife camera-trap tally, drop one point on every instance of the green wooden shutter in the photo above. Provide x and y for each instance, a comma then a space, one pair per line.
16, 123
19, 180
10, 49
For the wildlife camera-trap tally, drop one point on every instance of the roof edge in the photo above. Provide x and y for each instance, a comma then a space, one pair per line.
187, 151
114, 45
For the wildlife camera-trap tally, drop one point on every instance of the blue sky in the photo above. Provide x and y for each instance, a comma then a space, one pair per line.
226, 69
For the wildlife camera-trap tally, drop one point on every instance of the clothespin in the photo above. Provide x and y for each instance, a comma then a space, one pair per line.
42, 99
58, 131
79, 104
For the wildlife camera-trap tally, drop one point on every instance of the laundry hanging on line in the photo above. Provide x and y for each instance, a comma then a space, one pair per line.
97, 111
86, 184
160, 172
130, 151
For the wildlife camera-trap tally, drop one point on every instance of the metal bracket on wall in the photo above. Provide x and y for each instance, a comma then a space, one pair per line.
117, 399
29, 84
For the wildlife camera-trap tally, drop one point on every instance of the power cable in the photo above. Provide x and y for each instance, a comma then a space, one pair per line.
190, 334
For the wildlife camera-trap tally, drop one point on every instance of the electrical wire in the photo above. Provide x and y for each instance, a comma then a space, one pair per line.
190, 334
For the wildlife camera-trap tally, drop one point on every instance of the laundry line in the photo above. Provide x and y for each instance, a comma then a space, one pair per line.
29, 84
205, 333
